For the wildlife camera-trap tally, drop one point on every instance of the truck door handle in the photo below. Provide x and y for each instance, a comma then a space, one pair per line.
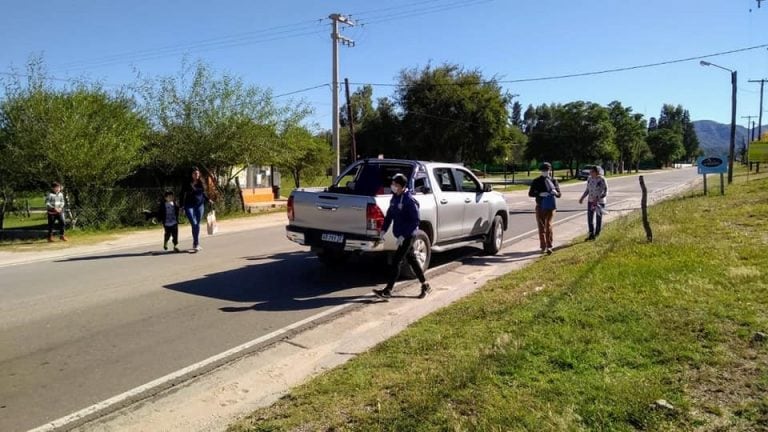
443, 201
467, 200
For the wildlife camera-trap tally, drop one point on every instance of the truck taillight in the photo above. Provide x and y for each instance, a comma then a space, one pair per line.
291, 214
374, 217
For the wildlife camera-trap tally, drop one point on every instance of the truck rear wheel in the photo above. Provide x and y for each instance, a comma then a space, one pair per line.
495, 238
422, 248
331, 258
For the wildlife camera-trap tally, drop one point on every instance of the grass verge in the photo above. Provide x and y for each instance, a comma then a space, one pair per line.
587, 339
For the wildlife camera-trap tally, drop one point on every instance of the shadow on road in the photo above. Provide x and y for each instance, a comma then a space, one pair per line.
120, 255
296, 281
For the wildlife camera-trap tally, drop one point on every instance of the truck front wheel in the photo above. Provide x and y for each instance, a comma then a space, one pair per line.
495, 238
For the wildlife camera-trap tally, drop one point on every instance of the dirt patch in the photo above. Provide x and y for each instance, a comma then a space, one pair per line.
731, 397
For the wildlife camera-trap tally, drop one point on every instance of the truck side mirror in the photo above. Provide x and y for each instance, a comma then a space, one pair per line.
487, 187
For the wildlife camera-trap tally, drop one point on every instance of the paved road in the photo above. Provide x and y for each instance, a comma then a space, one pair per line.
76, 331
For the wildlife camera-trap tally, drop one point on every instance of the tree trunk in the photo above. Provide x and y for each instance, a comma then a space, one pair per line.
240, 194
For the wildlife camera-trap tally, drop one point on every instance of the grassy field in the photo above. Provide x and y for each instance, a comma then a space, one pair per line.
588, 339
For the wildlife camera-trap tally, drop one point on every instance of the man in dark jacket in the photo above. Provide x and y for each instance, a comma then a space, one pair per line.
545, 189
403, 214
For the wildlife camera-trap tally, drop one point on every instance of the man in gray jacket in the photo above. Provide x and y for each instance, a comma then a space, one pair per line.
596, 191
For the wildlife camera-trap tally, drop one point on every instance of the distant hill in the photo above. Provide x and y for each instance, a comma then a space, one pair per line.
715, 137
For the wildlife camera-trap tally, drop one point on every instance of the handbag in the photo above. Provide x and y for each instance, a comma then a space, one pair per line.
548, 202
213, 227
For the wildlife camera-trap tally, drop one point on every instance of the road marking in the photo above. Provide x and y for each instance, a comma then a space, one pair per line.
147, 390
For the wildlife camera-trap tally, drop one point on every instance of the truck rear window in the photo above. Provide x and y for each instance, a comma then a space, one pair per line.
371, 179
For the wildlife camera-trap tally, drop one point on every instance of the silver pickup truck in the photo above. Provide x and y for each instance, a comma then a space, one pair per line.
456, 210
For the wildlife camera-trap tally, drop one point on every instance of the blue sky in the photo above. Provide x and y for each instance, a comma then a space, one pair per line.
508, 39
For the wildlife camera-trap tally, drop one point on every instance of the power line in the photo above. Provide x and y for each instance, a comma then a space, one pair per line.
581, 74
423, 11
212, 42
265, 35
375, 11
302, 90
202, 48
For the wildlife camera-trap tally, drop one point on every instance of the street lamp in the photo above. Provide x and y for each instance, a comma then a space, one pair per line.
732, 146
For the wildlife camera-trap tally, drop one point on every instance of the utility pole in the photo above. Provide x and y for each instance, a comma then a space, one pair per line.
760, 113
732, 148
336, 38
751, 134
351, 120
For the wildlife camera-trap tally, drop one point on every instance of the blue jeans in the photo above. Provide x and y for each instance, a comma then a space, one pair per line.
194, 214
592, 213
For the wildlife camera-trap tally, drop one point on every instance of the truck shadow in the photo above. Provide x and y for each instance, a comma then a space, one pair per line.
292, 282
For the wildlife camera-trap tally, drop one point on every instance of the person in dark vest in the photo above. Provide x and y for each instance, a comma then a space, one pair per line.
403, 215
545, 190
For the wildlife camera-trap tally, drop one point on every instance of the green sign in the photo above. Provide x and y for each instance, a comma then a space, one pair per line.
758, 151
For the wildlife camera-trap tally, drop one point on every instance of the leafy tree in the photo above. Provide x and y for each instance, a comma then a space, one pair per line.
304, 155
517, 115
630, 134
452, 114
381, 133
81, 135
529, 119
690, 140
217, 123
573, 133
652, 124
666, 145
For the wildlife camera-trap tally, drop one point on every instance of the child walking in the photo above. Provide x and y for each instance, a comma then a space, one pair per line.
168, 213
54, 204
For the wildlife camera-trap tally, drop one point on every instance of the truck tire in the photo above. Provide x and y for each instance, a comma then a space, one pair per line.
332, 259
495, 238
422, 248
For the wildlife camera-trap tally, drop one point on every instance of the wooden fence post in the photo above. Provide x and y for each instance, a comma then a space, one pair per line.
644, 207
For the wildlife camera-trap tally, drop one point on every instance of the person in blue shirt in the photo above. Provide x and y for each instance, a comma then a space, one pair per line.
403, 215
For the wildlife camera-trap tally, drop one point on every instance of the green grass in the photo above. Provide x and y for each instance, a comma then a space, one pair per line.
586, 339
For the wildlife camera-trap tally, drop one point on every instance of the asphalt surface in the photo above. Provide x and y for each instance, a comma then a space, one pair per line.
78, 330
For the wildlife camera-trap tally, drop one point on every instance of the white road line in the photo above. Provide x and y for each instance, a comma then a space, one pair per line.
51, 426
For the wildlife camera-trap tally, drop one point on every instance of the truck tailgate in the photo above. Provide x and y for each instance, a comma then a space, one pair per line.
331, 212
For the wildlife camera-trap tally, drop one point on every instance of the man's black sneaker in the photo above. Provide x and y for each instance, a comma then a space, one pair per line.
165, 246
425, 289
382, 293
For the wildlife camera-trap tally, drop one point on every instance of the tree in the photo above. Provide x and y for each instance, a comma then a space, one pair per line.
452, 114
652, 124
304, 155
517, 115
381, 133
217, 123
666, 145
81, 135
690, 139
630, 134
573, 133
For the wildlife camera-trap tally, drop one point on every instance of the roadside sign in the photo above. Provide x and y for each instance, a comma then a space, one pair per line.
758, 151
712, 165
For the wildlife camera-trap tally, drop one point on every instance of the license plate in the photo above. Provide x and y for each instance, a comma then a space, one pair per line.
332, 238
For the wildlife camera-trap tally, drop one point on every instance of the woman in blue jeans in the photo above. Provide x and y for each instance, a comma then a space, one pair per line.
193, 197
